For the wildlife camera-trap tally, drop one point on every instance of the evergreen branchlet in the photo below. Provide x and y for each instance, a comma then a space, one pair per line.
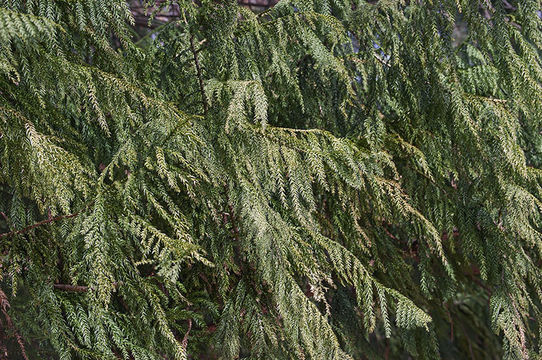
341, 179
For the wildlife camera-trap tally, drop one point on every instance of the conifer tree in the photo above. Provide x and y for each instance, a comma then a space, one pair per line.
342, 179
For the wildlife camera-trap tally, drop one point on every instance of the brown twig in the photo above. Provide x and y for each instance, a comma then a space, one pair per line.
43, 222
451, 323
184, 343
77, 288
4, 216
200, 76
4, 305
229, 217
71, 288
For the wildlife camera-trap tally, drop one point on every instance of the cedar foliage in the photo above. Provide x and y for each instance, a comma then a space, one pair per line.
324, 180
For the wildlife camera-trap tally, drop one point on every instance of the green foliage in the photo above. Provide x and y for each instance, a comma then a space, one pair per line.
323, 180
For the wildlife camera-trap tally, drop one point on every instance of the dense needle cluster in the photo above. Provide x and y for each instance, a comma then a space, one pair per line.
327, 179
